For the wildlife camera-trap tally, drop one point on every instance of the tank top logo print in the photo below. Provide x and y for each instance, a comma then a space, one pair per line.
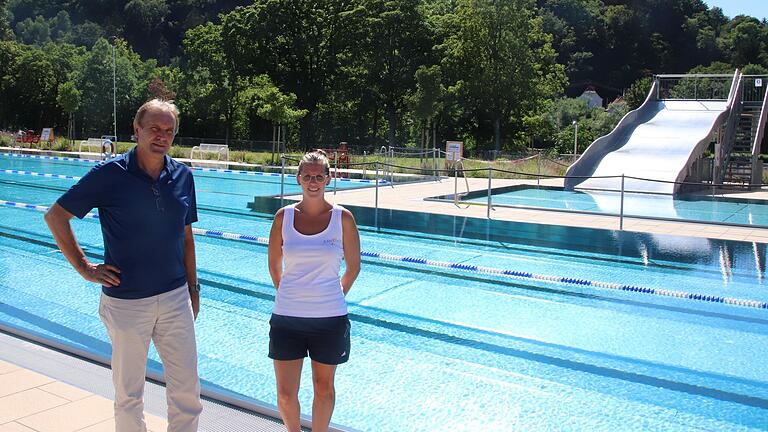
332, 242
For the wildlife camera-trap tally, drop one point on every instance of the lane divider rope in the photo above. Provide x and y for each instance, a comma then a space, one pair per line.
513, 274
217, 170
37, 174
259, 173
63, 158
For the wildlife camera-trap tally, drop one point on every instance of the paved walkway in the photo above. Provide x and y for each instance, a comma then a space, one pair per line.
31, 401
46, 390
410, 197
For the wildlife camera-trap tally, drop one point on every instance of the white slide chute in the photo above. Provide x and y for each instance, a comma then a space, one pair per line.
658, 141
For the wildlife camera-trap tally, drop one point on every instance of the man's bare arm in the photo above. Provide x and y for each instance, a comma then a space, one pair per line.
58, 219
190, 264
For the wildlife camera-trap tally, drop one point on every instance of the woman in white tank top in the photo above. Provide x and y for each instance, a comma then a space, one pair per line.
307, 242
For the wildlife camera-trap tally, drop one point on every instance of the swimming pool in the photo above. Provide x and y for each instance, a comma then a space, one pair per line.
703, 208
446, 347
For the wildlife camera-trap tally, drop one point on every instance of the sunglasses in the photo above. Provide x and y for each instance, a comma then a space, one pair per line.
158, 199
320, 178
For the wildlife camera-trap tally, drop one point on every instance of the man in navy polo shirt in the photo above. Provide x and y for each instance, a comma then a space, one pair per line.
146, 203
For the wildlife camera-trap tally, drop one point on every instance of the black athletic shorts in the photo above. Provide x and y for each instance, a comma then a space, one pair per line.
325, 339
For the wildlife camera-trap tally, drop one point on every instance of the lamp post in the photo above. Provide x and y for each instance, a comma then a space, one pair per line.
575, 139
114, 88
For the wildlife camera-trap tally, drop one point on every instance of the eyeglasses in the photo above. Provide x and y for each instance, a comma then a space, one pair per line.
320, 178
158, 199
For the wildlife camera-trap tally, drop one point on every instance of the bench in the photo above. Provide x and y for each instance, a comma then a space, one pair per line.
221, 150
101, 145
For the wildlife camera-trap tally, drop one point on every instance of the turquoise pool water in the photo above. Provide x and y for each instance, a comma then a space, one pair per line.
447, 349
215, 189
685, 207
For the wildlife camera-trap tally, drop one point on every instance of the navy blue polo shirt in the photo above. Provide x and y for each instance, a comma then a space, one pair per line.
142, 221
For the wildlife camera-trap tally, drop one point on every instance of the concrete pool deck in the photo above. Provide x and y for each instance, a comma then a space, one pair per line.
43, 390
411, 197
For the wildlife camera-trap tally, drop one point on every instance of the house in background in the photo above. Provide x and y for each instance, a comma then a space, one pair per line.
593, 99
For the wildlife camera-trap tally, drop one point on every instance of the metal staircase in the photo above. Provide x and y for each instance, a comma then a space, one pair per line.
743, 165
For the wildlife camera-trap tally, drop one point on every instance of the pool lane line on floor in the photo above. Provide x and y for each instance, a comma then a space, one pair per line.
469, 268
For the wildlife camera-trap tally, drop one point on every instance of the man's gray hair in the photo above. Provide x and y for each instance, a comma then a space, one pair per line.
160, 105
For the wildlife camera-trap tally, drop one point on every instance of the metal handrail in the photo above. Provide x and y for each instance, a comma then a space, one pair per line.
737, 77
692, 76
734, 109
756, 175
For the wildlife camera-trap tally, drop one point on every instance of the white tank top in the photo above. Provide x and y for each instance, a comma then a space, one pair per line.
310, 286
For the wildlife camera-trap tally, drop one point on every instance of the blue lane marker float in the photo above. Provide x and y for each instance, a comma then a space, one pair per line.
267, 174
58, 158
217, 170
472, 268
37, 174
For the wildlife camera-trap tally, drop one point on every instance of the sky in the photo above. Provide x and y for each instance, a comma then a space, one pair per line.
731, 8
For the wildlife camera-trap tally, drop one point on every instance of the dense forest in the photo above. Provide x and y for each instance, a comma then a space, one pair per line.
499, 75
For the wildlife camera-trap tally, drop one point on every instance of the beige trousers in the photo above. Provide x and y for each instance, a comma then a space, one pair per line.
167, 320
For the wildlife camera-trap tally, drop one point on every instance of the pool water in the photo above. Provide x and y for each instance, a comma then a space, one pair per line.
215, 188
444, 348
702, 208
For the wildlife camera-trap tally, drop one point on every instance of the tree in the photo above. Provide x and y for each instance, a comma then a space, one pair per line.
426, 102
299, 44
95, 83
69, 101
558, 128
87, 34
10, 52
5, 23
149, 16
34, 32
637, 92
274, 106
158, 90
30, 81
398, 43
212, 82
576, 27
61, 26
502, 64
744, 39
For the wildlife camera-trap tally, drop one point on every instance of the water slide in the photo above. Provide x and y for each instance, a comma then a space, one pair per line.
660, 140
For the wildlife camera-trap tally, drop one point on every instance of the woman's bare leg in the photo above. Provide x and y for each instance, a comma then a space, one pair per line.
325, 395
288, 377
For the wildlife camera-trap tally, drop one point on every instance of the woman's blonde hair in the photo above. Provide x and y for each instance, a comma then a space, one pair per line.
316, 157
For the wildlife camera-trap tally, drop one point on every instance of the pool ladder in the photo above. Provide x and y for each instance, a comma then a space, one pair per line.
459, 170
389, 159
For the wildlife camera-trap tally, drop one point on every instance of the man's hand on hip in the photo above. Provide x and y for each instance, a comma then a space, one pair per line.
104, 274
